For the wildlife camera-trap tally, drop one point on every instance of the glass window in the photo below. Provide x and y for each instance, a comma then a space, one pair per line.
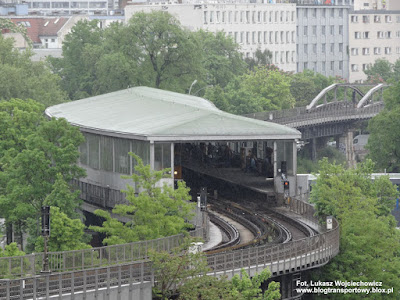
93, 143
122, 159
285, 154
106, 153
162, 156
83, 149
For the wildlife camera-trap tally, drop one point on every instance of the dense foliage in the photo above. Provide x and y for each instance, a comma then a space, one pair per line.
185, 273
153, 211
37, 162
382, 71
22, 78
384, 139
369, 241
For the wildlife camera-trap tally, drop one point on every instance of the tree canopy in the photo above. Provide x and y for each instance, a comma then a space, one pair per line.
369, 241
24, 79
383, 71
37, 162
384, 139
154, 211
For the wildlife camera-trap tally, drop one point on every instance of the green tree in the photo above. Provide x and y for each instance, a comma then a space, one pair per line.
384, 140
170, 56
381, 70
22, 78
76, 70
154, 211
66, 234
369, 242
221, 59
11, 250
34, 150
260, 59
185, 273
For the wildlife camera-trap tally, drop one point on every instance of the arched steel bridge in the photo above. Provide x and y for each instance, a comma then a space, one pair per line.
126, 268
331, 117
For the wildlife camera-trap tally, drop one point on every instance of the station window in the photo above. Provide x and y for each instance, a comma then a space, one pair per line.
162, 156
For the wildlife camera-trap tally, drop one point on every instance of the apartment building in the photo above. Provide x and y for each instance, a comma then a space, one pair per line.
252, 25
373, 34
323, 39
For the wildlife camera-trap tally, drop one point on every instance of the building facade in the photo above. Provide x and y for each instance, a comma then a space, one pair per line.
323, 39
252, 25
373, 34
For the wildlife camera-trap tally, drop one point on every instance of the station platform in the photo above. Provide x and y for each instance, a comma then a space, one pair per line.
235, 176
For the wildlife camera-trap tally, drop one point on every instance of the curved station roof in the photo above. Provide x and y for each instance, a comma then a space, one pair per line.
151, 114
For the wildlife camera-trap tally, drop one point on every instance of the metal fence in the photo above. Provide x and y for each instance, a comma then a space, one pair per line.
280, 259
290, 257
28, 265
96, 281
332, 112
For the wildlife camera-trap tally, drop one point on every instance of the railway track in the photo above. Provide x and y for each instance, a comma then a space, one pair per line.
267, 226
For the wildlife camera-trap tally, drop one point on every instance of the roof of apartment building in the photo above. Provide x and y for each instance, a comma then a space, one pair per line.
42, 26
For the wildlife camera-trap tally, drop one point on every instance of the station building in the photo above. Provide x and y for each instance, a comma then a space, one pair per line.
172, 130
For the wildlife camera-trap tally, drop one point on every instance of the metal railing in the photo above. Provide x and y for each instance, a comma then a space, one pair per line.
332, 112
290, 257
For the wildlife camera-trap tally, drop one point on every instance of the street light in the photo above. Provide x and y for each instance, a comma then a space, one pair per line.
193, 83
207, 86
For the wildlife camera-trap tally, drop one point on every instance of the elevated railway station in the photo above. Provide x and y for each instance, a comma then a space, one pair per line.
244, 164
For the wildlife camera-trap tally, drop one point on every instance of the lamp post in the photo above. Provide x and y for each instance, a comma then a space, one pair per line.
193, 83
45, 234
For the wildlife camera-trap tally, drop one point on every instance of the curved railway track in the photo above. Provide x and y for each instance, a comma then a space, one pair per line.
267, 226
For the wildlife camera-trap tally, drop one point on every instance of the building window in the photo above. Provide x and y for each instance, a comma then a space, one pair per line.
380, 35
332, 65
254, 37
340, 29
354, 19
388, 19
217, 19
282, 17
332, 47
229, 17
242, 37
388, 50
282, 57
365, 19
265, 37
357, 35
247, 38
270, 16
211, 17
314, 30
276, 56
241, 17
323, 29
365, 51
364, 67
305, 30
314, 48
293, 38
323, 48
235, 18
397, 50
236, 37
366, 34
398, 34
305, 13
282, 37
314, 13
253, 17
323, 12
259, 37
287, 37
332, 28
276, 37
276, 17
305, 66
247, 17
377, 19
377, 50
205, 17
323, 66
354, 51
259, 17
292, 16
223, 17
340, 47
293, 56
332, 13
388, 34
305, 49
265, 16
341, 13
